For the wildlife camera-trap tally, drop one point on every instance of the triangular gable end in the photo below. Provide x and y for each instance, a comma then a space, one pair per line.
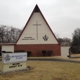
37, 35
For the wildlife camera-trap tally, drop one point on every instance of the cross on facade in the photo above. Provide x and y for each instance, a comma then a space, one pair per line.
37, 28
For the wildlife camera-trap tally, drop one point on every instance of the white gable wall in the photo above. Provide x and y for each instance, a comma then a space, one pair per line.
29, 36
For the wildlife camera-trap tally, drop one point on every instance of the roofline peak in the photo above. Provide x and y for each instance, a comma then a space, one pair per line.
36, 9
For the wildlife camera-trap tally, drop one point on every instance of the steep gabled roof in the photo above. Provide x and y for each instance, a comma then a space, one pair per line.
36, 9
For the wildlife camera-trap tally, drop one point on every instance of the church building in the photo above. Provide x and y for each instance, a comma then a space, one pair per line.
36, 38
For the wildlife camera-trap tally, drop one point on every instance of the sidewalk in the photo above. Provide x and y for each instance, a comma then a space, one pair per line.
55, 58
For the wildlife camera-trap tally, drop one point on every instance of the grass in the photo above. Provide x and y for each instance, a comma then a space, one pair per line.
46, 70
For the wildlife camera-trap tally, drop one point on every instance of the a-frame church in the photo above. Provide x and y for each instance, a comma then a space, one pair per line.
36, 38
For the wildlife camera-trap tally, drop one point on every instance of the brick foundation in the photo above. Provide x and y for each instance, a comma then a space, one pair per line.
36, 50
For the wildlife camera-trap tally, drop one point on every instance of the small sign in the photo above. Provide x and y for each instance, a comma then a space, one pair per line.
14, 66
28, 38
14, 57
13, 61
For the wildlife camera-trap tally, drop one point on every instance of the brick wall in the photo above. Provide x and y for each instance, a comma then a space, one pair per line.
36, 50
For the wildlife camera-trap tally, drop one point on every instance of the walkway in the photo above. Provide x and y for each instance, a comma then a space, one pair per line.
54, 59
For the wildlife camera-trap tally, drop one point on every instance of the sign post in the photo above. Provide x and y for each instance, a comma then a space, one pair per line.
13, 62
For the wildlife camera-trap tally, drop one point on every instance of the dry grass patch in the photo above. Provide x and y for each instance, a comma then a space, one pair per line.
46, 70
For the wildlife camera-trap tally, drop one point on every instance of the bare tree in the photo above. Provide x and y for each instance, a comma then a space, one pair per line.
65, 41
9, 34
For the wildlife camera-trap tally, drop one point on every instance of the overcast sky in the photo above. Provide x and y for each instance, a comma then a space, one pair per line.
63, 16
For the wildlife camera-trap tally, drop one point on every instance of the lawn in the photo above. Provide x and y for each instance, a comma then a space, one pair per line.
46, 70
